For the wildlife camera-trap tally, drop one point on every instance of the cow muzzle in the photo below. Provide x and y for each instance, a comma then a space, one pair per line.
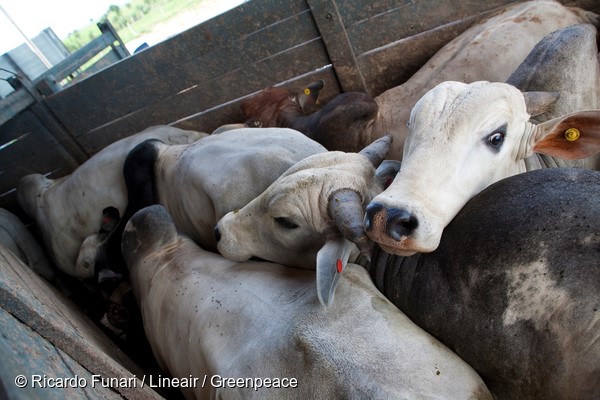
397, 222
396, 230
228, 242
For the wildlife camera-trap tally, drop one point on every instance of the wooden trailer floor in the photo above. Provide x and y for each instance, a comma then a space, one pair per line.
45, 339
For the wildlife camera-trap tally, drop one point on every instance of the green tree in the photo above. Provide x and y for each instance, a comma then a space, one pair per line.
113, 8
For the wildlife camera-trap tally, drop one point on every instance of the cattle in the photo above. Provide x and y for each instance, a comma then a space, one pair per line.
311, 216
564, 61
352, 120
335, 125
442, 153
506, 37
201, 182
464, 137
278, 107
197, 183
514, 287
259, 322
15, 237
69, 209
488, 51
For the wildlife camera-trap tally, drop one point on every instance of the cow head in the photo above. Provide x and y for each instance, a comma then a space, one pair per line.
462, 138
341, 124
278, 106
97, 258
311, 217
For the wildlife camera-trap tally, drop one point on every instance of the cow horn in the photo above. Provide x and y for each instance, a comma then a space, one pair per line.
345, 208
377, 151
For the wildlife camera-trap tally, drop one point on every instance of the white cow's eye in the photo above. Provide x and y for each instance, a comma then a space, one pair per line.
286, 223
496, 139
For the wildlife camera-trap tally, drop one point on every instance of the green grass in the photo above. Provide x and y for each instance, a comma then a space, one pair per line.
131, 20
155, 16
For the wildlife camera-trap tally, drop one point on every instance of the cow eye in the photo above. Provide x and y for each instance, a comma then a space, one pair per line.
285, 223
496, 139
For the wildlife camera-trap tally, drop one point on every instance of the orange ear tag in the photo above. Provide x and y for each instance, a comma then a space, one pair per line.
340, 266
572, 134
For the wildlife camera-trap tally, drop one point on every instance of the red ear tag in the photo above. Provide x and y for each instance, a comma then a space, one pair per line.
340, 266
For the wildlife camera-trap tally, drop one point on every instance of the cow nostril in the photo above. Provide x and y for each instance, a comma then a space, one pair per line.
217, 233
372, 210
400, 223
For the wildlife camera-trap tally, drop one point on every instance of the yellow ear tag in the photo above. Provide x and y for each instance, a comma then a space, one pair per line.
307, 91
572, 134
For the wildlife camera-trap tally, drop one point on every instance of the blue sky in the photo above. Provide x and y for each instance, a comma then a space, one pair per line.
33, 16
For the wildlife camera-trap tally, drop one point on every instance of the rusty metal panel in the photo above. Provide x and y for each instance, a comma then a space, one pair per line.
26, 146
412, 18
392, 65
245, 34
208, 120
337, 42
209, 94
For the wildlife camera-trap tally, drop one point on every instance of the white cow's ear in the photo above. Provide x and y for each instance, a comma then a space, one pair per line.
538, 103
570, 137
387, 171
331, 261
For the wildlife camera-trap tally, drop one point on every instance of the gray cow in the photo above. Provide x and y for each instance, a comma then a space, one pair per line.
514, 287
207, 316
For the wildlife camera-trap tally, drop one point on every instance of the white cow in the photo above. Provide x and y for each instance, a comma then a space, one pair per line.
69, 209
311, 216
488, 51
198, 183
463, 138
206, 316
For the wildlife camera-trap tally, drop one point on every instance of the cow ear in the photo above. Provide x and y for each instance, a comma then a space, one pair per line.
387, 171
538, 103
310, 96
331, 261
570, 137
110, 219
